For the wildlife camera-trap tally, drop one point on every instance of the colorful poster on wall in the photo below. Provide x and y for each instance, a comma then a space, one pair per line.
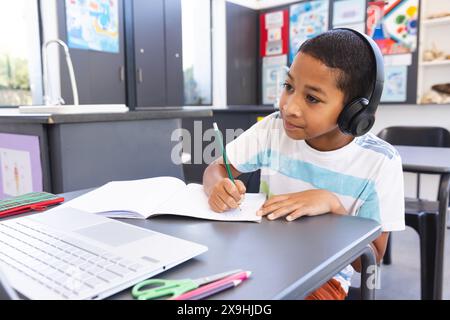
393, 25
274, 33
93, 25
307, 20
395, 84
20, 165
273, 74
347, 12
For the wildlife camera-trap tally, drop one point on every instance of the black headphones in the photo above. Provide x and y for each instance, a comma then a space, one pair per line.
358, 117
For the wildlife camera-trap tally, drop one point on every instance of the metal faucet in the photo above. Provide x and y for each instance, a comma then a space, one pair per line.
48, 98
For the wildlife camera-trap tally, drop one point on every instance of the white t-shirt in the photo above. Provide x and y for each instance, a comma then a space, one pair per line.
366, 175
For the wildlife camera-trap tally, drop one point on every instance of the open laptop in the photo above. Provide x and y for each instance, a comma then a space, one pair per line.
71, 254
6, 292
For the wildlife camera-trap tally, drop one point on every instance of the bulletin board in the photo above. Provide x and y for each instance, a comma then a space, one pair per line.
274, 33
394, 25
274, 36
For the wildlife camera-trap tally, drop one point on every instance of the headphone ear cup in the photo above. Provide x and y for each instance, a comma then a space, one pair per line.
363, 122
347, 119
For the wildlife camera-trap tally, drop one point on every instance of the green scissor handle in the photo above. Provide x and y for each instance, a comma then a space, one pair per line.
162, 288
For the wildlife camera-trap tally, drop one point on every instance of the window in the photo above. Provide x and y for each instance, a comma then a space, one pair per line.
20, 66
196, 26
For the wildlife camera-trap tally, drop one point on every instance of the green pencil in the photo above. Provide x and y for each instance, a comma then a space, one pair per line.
224, 153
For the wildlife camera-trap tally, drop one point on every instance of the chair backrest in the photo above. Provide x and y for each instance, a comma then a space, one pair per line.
406, 136
417, 136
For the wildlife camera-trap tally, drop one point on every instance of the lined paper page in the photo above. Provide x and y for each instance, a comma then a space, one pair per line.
193, 202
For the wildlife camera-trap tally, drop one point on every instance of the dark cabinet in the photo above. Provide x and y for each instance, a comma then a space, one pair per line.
147, 71
242, 55
174, 54
158, 53
149, 52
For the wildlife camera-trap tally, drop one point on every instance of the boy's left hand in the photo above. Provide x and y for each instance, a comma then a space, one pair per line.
306, 203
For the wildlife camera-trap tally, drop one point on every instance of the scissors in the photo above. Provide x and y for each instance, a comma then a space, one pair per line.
172, 288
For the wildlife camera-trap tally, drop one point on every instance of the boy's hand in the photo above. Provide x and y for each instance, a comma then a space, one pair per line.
225, 195
306, 203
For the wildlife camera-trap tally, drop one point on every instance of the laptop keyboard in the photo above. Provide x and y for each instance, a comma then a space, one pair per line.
65, 265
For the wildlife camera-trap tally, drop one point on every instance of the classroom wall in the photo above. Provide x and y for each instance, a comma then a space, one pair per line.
392, 115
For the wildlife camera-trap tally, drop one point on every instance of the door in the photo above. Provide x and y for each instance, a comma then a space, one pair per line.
150, 59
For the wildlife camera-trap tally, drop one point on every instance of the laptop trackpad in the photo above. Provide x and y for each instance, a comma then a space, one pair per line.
114, 233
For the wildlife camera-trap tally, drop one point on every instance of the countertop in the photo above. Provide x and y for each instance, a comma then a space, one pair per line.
12, 115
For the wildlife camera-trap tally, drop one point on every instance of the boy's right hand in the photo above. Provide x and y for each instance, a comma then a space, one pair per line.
225, 195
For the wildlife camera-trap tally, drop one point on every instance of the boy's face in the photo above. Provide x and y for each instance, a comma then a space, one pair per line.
311, 102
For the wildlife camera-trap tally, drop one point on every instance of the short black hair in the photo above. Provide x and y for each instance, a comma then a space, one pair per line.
346, 51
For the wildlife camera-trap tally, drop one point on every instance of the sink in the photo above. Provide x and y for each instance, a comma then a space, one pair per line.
73, 109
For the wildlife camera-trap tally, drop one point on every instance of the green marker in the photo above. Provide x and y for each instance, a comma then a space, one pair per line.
224, 153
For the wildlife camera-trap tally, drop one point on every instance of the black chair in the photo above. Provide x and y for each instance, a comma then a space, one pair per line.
421, 215
251, 181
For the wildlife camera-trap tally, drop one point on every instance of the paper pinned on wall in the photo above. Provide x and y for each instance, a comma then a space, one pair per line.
20, 165
393, 25
307, 20
274, 34
398, 60
395, 84
272, 76
93, 25
274, 20
274, 47
16, 172
348, 12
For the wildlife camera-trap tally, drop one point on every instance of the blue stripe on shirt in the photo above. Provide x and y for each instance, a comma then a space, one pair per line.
320, 178
378, 145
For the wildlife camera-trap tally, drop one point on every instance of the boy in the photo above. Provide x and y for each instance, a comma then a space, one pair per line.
308, 165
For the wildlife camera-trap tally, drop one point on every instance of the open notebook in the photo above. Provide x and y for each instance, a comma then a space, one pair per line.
141, 199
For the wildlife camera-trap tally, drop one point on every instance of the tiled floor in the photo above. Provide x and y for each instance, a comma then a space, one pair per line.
401, 279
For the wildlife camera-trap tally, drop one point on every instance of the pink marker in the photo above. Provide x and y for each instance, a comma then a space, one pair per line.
241, 276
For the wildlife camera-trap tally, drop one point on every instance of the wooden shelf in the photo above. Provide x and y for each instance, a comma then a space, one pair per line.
435, 63
432, 31
436, 21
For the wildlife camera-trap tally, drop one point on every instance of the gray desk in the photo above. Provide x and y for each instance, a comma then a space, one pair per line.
432, 161
288, 260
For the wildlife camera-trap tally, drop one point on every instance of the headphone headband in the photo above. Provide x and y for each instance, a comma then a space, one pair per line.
377, 90
358, 116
